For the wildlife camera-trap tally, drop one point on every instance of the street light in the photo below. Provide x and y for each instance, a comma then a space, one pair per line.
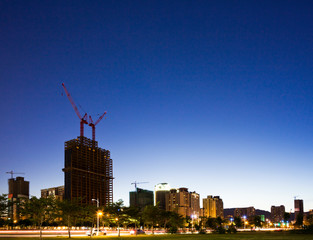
98, 214
244, 223
118, 226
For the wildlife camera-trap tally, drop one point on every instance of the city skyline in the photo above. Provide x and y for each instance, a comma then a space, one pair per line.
212, 96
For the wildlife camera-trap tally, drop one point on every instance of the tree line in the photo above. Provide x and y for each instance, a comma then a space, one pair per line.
51, 212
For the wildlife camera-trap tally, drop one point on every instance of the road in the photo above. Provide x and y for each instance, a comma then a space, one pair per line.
57, 233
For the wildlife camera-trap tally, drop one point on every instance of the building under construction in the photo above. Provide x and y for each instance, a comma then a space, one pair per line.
88, 169
88, 172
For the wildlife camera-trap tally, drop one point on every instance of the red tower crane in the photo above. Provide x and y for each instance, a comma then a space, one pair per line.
93, 125
83, 120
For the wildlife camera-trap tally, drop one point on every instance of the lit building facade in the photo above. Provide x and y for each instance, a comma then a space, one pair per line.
277, 213
56, 192
213, 207
194, 205
183, 202
244, 212
88, 172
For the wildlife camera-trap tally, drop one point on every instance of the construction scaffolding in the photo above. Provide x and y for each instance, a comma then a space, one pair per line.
88, 172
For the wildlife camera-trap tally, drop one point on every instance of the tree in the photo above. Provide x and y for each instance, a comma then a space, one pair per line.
309, 219
238, 222
211, 223
257, 221
87, 215
151, 215
165, 217
3, 205
171, 220
39, 210
24, 223
134, 215
68, 210
219, 221
202, 223
286, 216
116, 211
299, 220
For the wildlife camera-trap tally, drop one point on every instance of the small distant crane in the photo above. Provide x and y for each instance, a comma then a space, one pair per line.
135, 183
12, 173
83, 120
136, 192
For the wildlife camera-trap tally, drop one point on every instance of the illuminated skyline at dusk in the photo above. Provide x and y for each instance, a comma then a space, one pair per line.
215, 96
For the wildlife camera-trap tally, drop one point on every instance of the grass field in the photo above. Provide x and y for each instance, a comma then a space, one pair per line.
244, 236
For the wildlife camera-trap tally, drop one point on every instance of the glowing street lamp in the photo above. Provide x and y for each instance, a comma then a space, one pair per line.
244, 217
118, 227
98, 214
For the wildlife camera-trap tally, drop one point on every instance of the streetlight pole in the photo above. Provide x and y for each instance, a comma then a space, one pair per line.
244, 223
97, 200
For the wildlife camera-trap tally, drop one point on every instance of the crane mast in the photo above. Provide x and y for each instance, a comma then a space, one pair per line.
93, 125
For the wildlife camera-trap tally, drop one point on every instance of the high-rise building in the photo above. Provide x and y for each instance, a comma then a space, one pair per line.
183, 202
88, 172
244, 212
298, 208
18, 193
56, 192
213, 207
140, 198
160, 191
277, 213
194, 205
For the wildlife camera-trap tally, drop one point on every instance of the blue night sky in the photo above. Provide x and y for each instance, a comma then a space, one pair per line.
215, 96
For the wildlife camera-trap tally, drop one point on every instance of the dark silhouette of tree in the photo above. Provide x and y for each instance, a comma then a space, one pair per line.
165, 217
211, 223
151, 215
238, 222
286, 216
257, 221
299, 220
68, 211
39, 210
176, 221
116, 212
3, 205
202, 223
134, 216
219, 221
24, 223
309, 219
